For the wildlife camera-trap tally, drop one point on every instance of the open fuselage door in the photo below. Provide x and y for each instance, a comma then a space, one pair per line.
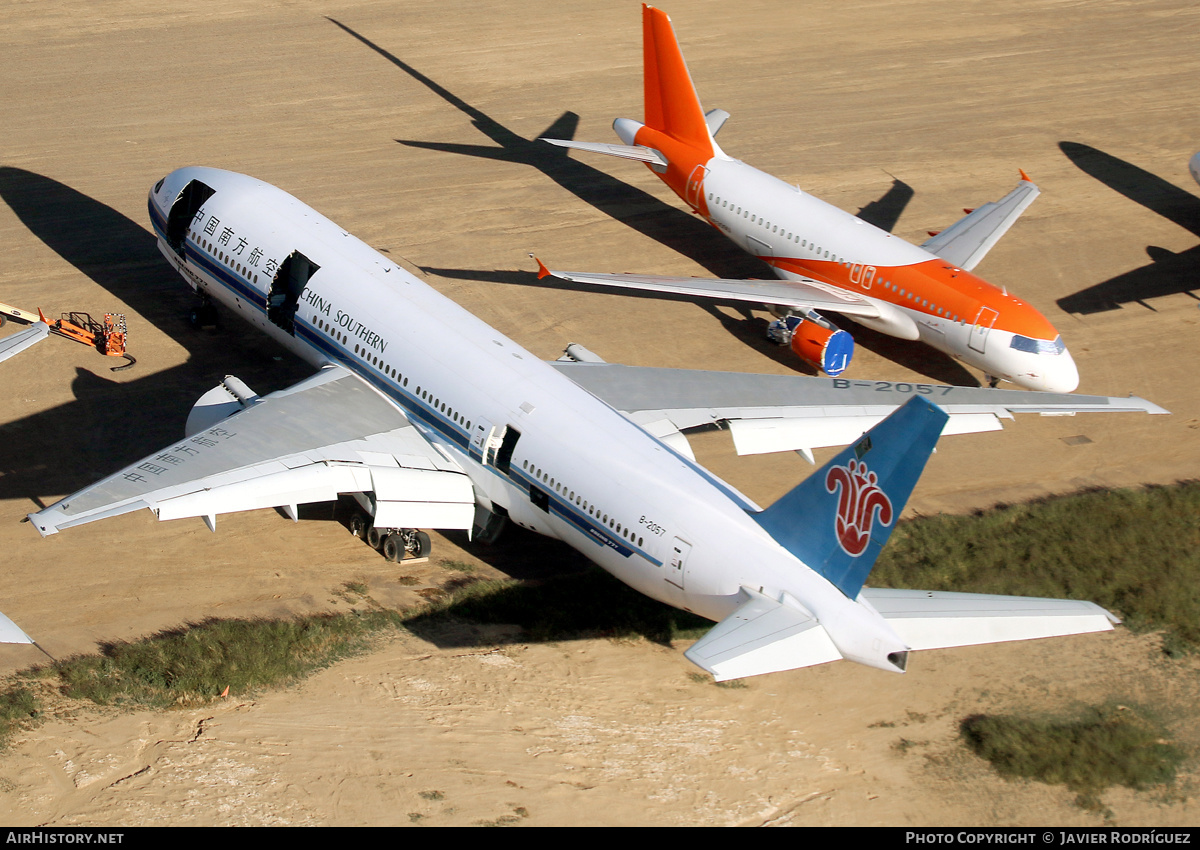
184, 209
284, 295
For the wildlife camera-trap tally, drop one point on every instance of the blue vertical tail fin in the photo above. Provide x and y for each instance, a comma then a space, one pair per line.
839, 518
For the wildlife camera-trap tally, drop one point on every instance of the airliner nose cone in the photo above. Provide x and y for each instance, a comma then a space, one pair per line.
1063, 376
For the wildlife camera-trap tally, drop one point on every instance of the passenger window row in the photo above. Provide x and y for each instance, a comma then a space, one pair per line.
571, 496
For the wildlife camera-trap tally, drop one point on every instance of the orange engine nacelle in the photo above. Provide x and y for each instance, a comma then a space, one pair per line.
824, 347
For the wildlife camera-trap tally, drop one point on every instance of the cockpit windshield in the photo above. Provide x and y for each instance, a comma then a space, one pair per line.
1038, 346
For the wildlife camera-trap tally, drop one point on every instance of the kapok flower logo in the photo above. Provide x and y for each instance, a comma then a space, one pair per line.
859, 502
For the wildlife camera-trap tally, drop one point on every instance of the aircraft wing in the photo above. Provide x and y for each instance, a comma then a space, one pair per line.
329, 434
775, 413
926, 619
21, 340
800, 295
966, 241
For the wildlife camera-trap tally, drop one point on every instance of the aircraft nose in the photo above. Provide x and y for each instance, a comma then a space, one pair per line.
1062, 376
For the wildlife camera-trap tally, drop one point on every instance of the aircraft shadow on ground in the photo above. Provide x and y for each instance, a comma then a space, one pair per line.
1168, 273
670, 226
886, 211
678, 230
111, 424
560, 596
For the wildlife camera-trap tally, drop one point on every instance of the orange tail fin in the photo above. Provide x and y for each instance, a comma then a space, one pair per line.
672, 106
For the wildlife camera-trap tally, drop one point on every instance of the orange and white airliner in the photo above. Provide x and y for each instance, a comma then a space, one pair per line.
828, 259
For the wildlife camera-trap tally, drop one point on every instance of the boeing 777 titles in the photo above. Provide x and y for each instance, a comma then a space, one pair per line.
829, 260
429, 418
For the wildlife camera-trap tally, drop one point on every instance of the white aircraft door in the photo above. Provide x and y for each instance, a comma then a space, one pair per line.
677, 562
759, 248
695, 185
480, 438
983, 323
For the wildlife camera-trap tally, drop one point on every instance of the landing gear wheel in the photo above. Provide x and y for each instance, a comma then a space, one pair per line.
375, 537
359, 525
420, 545
393, 547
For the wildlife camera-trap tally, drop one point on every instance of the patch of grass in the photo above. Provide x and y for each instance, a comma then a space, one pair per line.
195, 664
17, 706
1133, 551
1088, 752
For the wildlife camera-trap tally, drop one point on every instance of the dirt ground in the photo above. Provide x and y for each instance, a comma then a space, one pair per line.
414, 126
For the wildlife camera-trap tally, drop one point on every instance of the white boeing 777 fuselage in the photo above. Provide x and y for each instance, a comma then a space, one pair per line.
538, 447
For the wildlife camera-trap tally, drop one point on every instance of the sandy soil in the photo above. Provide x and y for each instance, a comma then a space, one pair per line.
412, 125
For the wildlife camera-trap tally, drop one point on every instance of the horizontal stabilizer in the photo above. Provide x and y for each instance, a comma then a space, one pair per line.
21, 340
927, 619
966, 241
11, 633
635, 152
715, 119
762, 636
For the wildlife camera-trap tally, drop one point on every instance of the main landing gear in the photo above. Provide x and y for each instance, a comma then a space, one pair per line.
203, 315
396, 544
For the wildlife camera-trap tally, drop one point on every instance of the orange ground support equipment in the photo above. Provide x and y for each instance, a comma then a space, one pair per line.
107, 337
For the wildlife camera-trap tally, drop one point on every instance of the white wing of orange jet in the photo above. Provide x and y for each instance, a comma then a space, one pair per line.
968, 240
797, 294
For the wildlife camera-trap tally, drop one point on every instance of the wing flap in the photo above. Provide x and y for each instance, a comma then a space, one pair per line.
968, 240
763, 635
299, 486
830, 428
419, 498
927, 619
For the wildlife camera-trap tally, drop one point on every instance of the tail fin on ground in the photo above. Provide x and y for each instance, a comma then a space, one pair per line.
838, 519
672, 105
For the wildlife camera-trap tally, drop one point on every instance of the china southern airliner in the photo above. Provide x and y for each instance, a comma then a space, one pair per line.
429, 418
